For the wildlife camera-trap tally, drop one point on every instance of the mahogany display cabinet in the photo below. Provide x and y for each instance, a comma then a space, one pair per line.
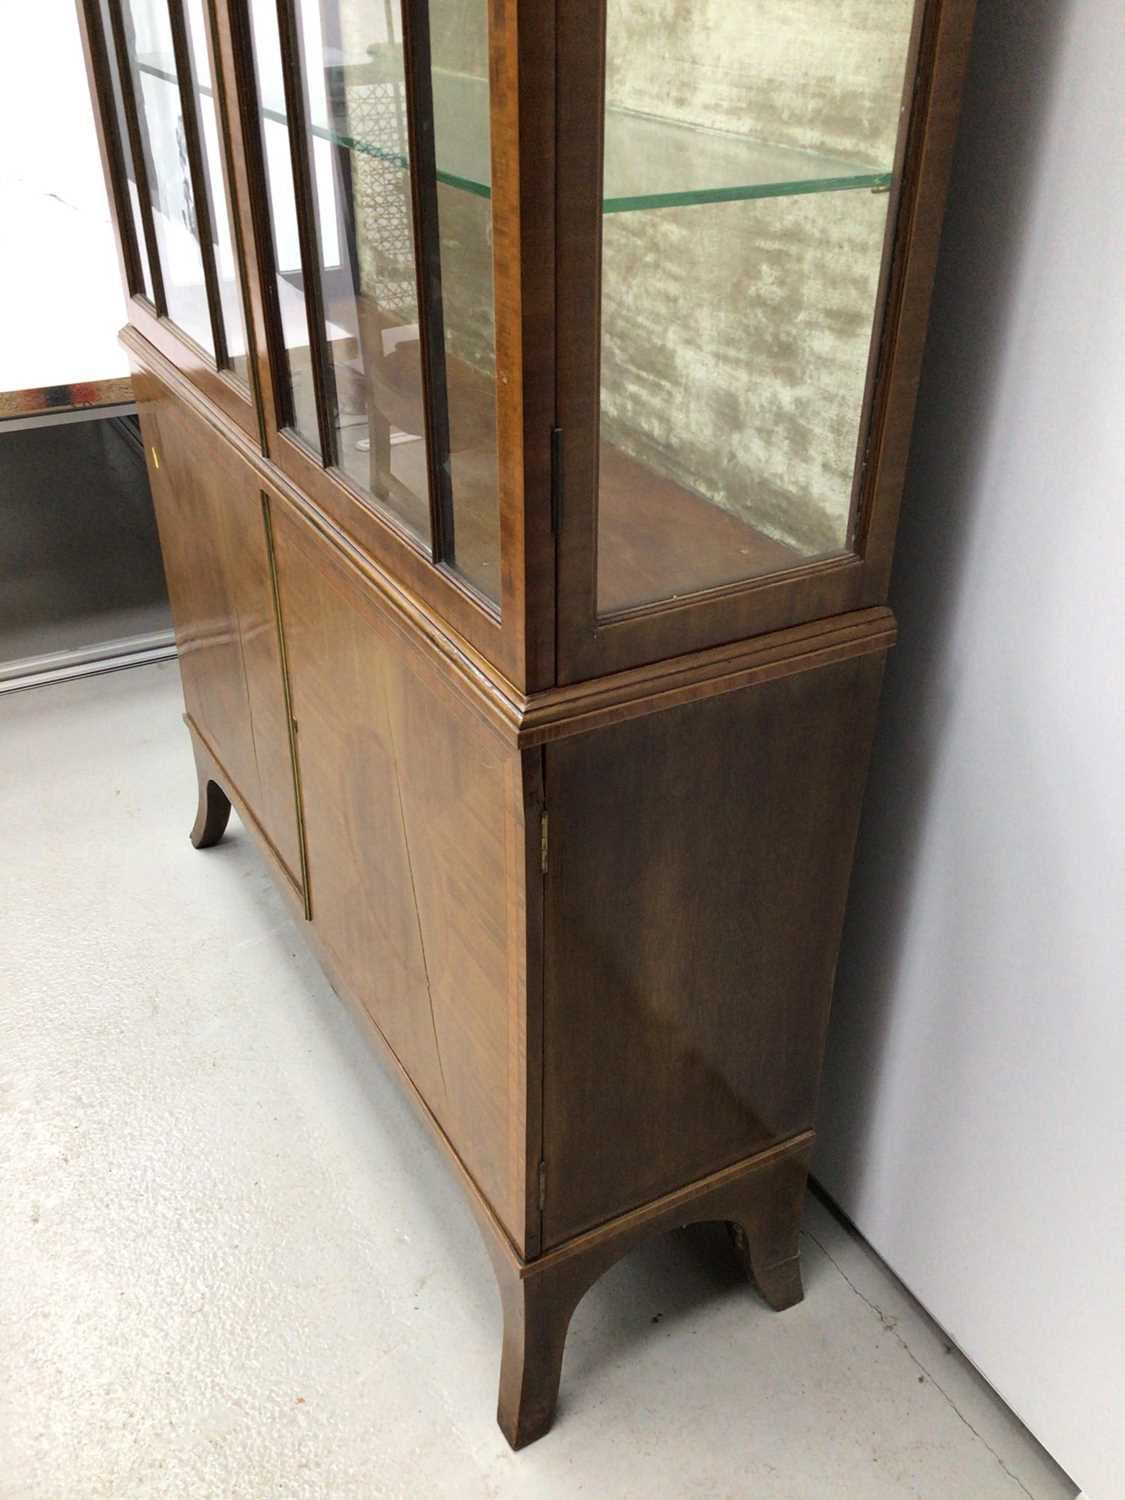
527, 388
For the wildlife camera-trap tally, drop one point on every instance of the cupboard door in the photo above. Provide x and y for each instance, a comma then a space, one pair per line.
415, 831
216, 558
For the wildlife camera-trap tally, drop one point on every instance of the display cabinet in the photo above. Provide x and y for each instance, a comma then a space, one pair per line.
527, 390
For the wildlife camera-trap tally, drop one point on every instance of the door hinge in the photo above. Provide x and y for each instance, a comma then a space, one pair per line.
556, 478
542, 1186
543, 842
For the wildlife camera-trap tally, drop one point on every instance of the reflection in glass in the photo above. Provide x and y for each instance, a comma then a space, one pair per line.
459, 82
381, 433
226, 264
356, 103
746, 208
173, 197
283, 219
126, 151
176, 213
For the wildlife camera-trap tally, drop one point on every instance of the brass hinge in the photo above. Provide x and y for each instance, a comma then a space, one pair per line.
542, 1186
543, 842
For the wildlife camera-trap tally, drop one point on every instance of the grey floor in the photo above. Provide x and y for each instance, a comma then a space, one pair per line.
232, 1265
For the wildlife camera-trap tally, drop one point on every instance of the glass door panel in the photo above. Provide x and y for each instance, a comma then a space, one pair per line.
459, 83
230, 292
748, 155
382, 230
171, 88
175, 218
299, 395
103, 38
359, 148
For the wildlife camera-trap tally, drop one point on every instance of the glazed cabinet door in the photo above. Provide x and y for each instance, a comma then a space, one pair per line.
215, 543
162, 107
750, 194
383, 141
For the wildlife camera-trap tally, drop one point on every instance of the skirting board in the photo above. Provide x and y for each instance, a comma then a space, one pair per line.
103, 656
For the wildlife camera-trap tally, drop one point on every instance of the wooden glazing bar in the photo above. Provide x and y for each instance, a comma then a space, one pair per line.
522, 93
922, 39
225, 86
252, 217
138, 144
197, 168
580, 167
427, 268
308, 227
939, 79
111, 128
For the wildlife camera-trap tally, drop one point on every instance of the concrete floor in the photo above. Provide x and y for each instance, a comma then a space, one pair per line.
233, 1265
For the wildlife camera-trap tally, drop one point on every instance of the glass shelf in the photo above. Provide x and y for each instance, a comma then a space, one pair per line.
654, 163
650, 162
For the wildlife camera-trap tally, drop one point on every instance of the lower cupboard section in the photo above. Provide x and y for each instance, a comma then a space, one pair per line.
699, 868
596, 928
216, 560
415, 837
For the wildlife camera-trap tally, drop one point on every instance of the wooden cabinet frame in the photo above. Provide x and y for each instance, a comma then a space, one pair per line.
583, 876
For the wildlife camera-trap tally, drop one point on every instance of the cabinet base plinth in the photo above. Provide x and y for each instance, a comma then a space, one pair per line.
760, 1199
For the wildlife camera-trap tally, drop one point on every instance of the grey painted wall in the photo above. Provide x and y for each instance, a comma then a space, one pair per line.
974, 1114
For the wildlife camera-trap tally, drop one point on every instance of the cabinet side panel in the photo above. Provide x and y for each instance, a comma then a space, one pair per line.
213, 540
414, 824
698, 869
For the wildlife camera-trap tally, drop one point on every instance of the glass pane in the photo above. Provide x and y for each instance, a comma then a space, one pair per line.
226, 264
356, 102
175, 210
283, 218
459, 50
744, 213
126, 150
173, 198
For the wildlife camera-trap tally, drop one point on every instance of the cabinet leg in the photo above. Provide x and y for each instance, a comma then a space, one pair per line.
766, 1233
778, 1282
213, 811
537, 1311
760, 1201
211, 819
